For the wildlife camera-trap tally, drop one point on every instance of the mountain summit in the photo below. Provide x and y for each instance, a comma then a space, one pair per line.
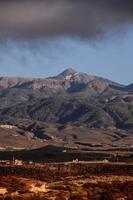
69, 71
68, 81
67, 74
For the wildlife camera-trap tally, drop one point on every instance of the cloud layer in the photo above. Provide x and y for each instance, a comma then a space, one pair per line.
34, 19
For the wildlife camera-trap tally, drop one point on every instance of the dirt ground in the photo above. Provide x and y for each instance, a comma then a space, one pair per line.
67, 186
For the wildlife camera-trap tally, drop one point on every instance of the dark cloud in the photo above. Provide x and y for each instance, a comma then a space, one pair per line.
33, 19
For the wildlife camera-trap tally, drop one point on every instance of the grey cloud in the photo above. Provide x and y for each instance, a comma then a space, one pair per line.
34, 19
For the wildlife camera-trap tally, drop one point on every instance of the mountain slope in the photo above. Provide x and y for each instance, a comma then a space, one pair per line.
69, 80
54, 109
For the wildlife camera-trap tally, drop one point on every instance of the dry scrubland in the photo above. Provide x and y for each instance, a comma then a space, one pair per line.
67, 181
71, 109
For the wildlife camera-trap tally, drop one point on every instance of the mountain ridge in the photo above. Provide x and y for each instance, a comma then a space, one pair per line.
65, 80
71, 109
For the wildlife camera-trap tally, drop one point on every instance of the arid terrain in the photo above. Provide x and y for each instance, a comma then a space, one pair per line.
66, 100
80, 125
67, 181
72, 109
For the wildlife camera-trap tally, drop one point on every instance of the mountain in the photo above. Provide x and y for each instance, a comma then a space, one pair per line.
129, 88
67, 74
69, 80
71, 109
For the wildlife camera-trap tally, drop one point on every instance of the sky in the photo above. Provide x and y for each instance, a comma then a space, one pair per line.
42, 38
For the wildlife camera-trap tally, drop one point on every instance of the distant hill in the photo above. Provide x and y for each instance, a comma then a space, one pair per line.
69, 80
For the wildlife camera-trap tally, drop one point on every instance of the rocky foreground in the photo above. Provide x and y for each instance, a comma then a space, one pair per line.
67, 181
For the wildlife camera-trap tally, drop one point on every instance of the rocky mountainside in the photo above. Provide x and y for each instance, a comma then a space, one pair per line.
70, 109
69, 80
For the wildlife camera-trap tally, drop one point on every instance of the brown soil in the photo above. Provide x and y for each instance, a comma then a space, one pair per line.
66, 182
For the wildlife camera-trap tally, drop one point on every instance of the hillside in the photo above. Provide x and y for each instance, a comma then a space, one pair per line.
70, 109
